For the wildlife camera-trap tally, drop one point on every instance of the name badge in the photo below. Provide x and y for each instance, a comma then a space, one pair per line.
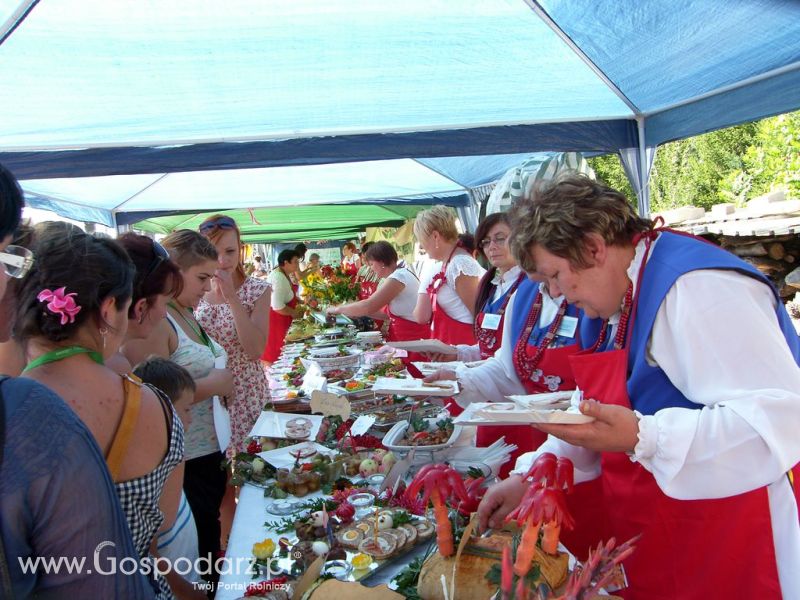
491, 321
567, 327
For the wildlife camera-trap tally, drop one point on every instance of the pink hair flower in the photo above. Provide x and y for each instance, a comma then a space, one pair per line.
60, 303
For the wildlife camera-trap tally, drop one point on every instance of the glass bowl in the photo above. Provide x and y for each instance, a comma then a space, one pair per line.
362, 502
338, 569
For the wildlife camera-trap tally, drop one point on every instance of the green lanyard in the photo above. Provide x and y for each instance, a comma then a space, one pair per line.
196, 327
61, 354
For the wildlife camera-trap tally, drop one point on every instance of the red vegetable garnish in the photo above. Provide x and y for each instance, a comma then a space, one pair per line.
439, 483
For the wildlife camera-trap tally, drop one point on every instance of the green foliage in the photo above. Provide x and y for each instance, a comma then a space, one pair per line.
774, 163
729, 165
698, 170
608, 169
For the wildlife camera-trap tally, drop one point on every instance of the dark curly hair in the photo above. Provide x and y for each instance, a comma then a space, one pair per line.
94, 268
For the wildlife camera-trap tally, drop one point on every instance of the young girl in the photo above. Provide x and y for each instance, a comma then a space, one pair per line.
235, 312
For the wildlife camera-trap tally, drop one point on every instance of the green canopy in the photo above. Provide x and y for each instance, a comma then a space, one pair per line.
295, 223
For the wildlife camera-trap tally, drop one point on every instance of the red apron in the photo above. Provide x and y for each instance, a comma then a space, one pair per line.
689, 549
349, 268
366, 288
526, 438
443, 327
278, 328
401, 329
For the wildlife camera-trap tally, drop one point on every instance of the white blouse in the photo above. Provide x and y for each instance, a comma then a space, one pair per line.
282, 292
448, 299
404, 303
496, 378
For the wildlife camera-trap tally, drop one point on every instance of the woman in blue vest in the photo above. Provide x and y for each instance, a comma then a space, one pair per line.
695, 387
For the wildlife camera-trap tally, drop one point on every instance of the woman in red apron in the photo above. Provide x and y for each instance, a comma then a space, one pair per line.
709, 487
447, 299
350, 260
395, 297
283, 308
366, 278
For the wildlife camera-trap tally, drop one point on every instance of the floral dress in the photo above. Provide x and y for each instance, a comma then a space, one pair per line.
250, 382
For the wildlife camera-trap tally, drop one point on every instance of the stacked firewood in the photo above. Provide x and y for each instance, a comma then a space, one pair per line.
777, 257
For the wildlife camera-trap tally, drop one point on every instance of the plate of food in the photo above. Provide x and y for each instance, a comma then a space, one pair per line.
427, 434
283, 458
557, 407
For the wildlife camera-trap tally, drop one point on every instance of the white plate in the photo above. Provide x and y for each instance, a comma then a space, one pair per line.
428, 368
551, 400
433, 346
396, 433
509, 413
280, 458
273, 424
414, 387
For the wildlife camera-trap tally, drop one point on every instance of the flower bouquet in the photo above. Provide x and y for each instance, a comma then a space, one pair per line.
328, 287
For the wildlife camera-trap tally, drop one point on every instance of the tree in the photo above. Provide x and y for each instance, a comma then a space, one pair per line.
773, 162
729, 165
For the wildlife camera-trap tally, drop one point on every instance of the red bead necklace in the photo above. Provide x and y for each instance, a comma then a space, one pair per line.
524, 362
622, 326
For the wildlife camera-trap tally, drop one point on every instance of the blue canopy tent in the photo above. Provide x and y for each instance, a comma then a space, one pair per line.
142, 89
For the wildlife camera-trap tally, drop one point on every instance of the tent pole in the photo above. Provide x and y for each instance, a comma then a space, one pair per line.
644, 171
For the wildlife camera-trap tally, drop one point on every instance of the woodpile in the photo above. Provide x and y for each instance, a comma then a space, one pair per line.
777, 257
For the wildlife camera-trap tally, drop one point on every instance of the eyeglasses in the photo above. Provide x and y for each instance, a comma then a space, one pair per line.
220, 222
160, 255
499, 241
17, 261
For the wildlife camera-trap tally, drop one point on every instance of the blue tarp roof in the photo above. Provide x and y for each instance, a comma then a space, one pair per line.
113, 87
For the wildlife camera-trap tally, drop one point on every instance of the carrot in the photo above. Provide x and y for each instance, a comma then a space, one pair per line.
444, 530
550, 538
527, 547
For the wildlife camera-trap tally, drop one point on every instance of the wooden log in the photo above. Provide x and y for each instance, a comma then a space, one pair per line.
789, 258
776, 251
748, 250
767, 266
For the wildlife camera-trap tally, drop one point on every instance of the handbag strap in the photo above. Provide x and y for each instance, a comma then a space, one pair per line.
122, 438
6, 591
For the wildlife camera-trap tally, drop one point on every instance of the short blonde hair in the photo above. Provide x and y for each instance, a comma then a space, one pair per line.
560, 214
437, 218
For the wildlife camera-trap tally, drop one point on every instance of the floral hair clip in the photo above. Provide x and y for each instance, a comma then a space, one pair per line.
60, 303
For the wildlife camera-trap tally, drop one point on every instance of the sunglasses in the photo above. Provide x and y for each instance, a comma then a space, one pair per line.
219, 222
160, 255
17, 261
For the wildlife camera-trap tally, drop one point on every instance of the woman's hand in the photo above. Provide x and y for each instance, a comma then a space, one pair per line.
223, 281
615, 428
500, 499
221, 381
441, 375
332, 310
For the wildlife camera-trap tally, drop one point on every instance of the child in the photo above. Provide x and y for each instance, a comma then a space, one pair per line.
179, 540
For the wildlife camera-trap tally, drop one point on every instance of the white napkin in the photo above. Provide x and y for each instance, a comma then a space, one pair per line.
222, 418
